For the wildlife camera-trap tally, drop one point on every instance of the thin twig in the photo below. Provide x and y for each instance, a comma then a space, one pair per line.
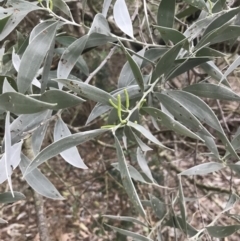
101, 65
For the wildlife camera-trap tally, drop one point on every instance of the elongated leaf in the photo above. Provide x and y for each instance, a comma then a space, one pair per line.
236, 140
7, 87
99, 25
38, 182
39, 134
21, 126
200, 4
170, 34
4, 20
182, 114
233, 198
97, 39
62, 145
169, 122
11, 164
61, 98
142, 162
106, 5
182, 205
36, 51
211, 69
212, 91
209, 52
8, 153
167, 60
70, 155
130, 234
7, 197
222, 231
231, 68
126, 179
122, 17
146, 133
87, 91
159, 207
70, 57
18, 11
203, 169
127, 76
134, 68
124, 218
153, 54
235, 167
62, 6
221, 20
166, 12
141, 144
20, 104
3, 221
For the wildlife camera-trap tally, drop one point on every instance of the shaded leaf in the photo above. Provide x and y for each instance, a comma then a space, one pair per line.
209, 52
141, 144
166, 13
200, 4
70, 155
142, 162
62, 145
38, 182
222, 231
203, 169
126, 179
61, 5
7, 197
159, 207
232, 67
124, 218
122, 17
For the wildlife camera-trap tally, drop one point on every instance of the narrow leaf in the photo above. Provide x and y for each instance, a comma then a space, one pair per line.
38, 182
62, 145
222, 231
126, 179
122, 17
36, 51
70, 57
106, 5
159, 207
166, 13
203, 169
200, 4
7, 197
70, 155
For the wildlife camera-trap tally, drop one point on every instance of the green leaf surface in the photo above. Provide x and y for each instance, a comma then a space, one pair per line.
200, 4
99, 25
203, 169
166, 13
87, 91
136, 236
221, 20
159, 207
182, 113
209, 52
62, 6
126, 179
169, 122
146, 133
170, 34
70, 56
141, 144
4, 20
70, 155
106, 5
182, 205
20, 104
142, 162
18, 11
97, 39
211, 69
231, 68
167, 61
38, 182
62, 145
222, 231
60, 98
212, 91
125, 218
34, 56
122, 17
7, 197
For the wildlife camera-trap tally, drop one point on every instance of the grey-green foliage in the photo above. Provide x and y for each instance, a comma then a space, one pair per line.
34, 96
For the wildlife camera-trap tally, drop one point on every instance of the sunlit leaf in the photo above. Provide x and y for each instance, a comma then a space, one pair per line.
106, 5
70, 155
36, 51
203, 169
62, 145
122, 17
